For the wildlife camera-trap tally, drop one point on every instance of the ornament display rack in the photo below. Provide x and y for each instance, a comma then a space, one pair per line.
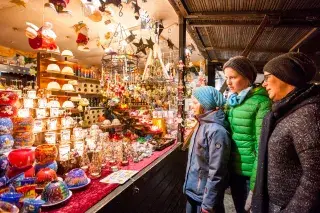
87, 88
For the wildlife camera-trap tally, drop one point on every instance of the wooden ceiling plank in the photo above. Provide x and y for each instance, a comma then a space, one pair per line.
253, 15
297, 45
256, 36
211, 43
280, 51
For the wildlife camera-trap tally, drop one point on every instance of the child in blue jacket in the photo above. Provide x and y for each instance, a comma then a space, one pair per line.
209, 151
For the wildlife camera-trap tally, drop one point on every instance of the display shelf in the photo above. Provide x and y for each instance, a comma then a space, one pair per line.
45, 118
73, 94
57, 76
88, 80
53, 130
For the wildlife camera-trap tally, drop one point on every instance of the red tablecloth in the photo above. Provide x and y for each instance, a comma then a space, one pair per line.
95, 191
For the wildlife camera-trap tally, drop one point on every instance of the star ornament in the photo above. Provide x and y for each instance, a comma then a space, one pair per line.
150, 43
170, 44
141, 47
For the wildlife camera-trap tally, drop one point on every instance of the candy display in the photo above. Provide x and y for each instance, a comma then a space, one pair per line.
6, 143
45, 176
55, 192
23, 139
11, 197
52, 165
6, 126
32, 205
23, 124
8, 97
21, 158
46, 153
75, 178
8, 207
8, 111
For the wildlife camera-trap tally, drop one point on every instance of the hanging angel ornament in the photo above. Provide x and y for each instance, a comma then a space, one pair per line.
91, 9
41, 38
82, 36
59, 6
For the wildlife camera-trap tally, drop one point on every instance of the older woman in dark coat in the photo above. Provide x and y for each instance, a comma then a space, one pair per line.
288, 178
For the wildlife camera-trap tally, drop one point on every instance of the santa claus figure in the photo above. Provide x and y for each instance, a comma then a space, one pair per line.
41, 38
82, 36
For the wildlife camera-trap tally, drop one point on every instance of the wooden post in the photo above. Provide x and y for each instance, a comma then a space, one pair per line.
181, 82
211, 68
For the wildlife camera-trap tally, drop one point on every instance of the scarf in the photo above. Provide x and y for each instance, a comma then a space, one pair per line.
236, 99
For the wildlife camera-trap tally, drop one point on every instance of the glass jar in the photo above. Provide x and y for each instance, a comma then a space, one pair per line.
65, 135
50, 137
95, 165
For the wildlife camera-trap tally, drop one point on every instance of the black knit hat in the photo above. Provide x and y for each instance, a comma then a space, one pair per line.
296, 69
243, 66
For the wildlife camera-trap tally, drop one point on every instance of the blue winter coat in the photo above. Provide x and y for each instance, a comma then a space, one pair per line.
207, 168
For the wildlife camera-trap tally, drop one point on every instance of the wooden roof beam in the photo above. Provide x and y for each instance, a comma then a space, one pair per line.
181, 11
274, 23
211, 43
304, 38
280, 51
256, 36
253, 15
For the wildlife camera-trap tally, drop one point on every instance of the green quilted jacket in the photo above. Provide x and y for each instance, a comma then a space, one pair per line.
245, 123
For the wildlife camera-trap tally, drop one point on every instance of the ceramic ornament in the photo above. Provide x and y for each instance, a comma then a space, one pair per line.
82, 36
20, 2
41, 38
59, 6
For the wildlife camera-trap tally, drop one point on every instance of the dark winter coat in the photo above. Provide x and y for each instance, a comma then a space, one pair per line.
288, 178
207, 168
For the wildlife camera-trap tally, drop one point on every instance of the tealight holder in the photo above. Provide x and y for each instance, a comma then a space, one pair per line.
52, 124
32, 94
28, 103
23, 113
42, 103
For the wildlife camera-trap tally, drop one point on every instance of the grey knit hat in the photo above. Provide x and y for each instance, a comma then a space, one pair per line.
243, 66
296, 69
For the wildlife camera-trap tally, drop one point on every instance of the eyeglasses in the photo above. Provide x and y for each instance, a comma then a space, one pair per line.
266, 77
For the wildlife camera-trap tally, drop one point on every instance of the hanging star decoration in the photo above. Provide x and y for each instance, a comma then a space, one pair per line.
150, 43
19, 2
141, 47
170, 44
136, 10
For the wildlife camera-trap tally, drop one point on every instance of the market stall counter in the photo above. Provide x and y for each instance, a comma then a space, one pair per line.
97, 195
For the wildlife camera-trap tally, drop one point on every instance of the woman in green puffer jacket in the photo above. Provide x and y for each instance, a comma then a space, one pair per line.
246, 107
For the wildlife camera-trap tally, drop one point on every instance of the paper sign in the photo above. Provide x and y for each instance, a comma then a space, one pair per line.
119, 177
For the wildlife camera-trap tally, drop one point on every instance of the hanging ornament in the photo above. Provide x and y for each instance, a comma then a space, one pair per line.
150, 43
20, 2
91, 9
158, 29
141, 47
170, 44
41, 38
104, 4
82, 36
59, 6
136, 10
145, 19
130, 38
